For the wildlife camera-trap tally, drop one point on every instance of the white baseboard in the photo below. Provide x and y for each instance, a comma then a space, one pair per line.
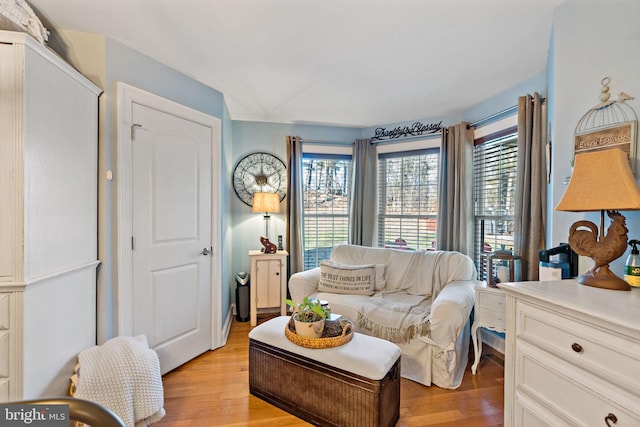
227, 326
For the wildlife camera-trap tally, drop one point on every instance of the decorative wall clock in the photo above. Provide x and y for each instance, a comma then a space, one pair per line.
259, 173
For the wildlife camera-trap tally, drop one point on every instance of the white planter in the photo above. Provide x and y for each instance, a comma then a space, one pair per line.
309, 329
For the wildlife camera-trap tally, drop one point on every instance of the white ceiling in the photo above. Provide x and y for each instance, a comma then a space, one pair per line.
352, 63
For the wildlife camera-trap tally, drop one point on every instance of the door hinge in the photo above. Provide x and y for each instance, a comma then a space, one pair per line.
133, 130
133, 243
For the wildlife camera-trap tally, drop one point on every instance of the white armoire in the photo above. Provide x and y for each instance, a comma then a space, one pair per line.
48, 218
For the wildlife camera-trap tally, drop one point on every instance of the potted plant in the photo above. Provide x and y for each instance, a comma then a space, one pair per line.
308, 317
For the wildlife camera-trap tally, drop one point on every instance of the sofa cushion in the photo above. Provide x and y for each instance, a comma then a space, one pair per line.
347, 279
416, 272
395, 261
380, 281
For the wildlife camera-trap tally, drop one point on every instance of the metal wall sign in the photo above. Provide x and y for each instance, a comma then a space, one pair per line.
416, 129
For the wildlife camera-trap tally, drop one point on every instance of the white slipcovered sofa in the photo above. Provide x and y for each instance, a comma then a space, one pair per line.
420, 300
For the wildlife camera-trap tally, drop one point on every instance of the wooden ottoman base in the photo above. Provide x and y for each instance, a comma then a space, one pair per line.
321, 394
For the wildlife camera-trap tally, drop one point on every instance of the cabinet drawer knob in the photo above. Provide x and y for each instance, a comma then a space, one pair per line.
611, 418
576, 347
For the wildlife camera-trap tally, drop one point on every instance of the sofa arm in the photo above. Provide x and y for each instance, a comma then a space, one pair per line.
451, 310
303, 284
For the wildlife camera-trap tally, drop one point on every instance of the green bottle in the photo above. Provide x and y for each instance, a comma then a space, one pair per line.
632, 266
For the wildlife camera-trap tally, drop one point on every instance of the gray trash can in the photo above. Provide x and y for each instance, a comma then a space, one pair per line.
242, 297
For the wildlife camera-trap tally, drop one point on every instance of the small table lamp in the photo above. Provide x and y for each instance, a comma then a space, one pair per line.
266, 202
601, 180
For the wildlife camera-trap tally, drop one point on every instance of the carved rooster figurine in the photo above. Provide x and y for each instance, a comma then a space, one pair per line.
603, 251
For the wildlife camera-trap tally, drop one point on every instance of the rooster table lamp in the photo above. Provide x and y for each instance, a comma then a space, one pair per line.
601, 181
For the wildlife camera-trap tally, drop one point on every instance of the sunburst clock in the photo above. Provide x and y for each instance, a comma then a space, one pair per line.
259, 173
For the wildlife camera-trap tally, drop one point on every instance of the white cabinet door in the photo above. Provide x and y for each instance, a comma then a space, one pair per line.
48, 218
268, 283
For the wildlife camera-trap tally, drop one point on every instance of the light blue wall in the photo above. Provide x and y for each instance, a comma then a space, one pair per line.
592, 39
106, 62
249, 137
507, 98
123, 64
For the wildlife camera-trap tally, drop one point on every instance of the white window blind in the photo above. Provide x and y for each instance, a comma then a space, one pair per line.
494, 167
408, 199
326, 192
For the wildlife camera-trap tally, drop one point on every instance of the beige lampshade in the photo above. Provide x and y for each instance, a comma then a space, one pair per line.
601, 180
266, 202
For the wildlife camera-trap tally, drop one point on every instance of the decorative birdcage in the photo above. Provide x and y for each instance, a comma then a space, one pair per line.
609, 124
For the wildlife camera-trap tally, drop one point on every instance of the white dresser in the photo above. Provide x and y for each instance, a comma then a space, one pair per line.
572, 355
48, 218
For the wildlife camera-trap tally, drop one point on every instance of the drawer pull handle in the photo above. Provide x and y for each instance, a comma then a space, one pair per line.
576, 347
611, 418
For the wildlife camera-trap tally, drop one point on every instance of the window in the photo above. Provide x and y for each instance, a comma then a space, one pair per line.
494, 168
408, 199
326, 188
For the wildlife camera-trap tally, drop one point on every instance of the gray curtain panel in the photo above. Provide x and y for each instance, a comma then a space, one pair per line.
363, 208
455, 191
294, 205
531, 186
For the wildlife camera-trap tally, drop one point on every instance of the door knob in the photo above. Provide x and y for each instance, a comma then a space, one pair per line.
206, 251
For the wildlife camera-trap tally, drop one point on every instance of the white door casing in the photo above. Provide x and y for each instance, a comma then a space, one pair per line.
169, 207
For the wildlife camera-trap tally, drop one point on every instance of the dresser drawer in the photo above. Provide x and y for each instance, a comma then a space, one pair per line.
492, 318
491, 300
571, 392
612, 356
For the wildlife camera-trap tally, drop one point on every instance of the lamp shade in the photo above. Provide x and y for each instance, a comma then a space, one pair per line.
266, 202
601, 180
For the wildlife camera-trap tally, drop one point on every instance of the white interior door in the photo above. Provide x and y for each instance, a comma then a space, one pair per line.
171, 211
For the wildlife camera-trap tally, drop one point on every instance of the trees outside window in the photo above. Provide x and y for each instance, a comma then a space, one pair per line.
326, 192
494, 164
408, 199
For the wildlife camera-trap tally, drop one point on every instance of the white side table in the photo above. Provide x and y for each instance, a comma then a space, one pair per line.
490, 314
268, 282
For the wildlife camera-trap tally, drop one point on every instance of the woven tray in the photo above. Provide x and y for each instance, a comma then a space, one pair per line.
336, 333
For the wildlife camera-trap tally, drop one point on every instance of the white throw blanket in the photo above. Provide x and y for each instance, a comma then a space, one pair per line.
401, 316
428, 272
397, 317
123, 375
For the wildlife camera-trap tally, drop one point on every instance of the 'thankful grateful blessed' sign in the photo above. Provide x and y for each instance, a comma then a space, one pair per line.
416, 129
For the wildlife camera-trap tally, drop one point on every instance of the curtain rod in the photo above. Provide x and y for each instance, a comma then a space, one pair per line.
498, 115
320, 142
406, 138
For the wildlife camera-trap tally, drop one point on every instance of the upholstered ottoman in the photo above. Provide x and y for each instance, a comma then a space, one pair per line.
355, 384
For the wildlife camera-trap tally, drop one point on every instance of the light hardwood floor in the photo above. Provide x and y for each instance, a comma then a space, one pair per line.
213, 390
